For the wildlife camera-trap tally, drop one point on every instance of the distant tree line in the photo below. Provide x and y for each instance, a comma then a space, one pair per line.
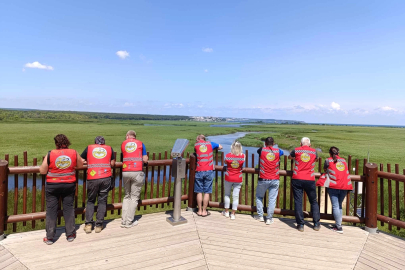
16, 115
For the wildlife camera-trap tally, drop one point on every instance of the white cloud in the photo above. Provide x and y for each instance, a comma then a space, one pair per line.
205, 70
122, 54
388, 109
128, 104
208, 50
335, 106
37, 64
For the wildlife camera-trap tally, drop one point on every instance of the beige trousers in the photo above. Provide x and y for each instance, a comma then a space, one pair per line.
133, 182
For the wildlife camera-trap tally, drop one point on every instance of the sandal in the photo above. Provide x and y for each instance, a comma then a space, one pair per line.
208, 213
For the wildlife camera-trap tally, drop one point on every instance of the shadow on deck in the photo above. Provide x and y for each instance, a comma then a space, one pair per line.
212, 242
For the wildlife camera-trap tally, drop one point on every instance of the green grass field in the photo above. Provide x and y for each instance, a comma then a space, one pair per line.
384, 145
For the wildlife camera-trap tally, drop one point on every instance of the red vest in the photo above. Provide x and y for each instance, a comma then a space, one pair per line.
304, 168
98, 161
269, 163
205, 156
132, 155
339, 176
62, 163
234, 167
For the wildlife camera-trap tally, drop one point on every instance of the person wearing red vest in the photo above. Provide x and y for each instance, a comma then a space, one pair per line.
134, 156
303, 179
233, 178
269, 178
59, 167
337, 180
100, 158
204, 172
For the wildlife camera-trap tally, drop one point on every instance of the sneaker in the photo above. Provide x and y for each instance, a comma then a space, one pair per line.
225, 214
269, 221
317, 226
232, 217
132, 224
88, 228
48, 241
98, 229
259, 218
123, 224
300, 228
71, 237
337, 229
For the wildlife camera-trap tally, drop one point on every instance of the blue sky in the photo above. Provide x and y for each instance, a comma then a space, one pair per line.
315, 61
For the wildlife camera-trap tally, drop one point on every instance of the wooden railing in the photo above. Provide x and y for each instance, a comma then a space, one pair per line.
365, 204
158, 190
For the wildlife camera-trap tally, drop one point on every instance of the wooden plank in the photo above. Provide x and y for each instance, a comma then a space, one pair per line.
281, 262
198, 264
374, 263
385, 258
362, 266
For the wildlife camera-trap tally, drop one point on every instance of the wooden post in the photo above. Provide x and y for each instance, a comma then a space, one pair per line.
371, 197
192, 202
3, 192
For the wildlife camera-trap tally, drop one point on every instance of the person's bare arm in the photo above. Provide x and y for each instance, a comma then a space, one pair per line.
290, 157
113, 163
79, 161
219, 147
145, 158
43, 169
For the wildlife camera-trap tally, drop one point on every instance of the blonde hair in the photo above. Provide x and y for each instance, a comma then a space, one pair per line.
200, 137
236, 148
131, 133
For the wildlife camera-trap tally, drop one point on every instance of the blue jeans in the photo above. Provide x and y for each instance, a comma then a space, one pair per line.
262, 187
235, 194
336, 197
203, 182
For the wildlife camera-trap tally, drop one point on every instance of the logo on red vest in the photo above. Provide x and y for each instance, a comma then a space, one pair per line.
130, 147
203, 148
99, 152
63, 162
340, 166
93, 173
235, 164
305, 157
270, 156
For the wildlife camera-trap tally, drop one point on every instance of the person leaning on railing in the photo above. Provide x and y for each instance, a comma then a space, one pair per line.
337, 180
100, 158
59, 167
269, 178
204, 172
233, 178
134, 156
303, 179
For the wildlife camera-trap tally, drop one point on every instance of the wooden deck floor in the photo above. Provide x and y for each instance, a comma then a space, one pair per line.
212, 242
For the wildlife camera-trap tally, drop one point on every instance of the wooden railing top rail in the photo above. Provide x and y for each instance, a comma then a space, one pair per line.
358, 178
392, 176
35, 169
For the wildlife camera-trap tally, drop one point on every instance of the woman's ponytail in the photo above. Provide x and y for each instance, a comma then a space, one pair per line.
334, 152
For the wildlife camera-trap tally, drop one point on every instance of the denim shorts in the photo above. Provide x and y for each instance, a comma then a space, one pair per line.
203, 182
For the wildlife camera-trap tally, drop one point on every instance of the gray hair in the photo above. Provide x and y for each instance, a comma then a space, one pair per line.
236, 148
306, 141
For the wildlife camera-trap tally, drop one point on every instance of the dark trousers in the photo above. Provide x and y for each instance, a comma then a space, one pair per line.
97, 188
299, 186
67, 193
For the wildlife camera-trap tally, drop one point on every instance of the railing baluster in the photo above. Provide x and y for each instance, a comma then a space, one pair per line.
356, 188
145, 195
120, 184
43, 192
222, 176
349, 167
152, 177
291, 191
113, 188
15, 193
6, 157
216, 177
25, 186
252, 191
382, 193
363, 194
389, 197
164, 180
34, 192
186, 178
246, 181
320, 188
285, 184
84, 193
158, 180
397, 195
